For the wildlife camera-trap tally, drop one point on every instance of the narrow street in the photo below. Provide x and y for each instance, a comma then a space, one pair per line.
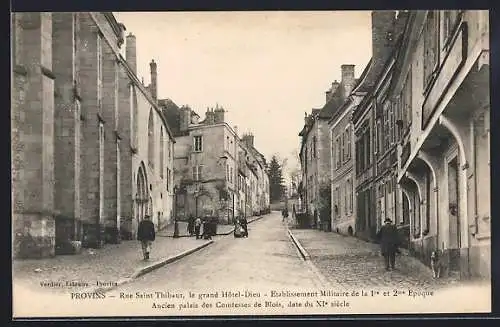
267, 258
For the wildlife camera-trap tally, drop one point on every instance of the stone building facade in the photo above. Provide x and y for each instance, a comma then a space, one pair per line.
343, 207
315, 151
375, 195
70, 110
216, 172
444, 151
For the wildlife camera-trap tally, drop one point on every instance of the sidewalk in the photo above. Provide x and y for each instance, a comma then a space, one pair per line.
112, 263
221, 228
349, 261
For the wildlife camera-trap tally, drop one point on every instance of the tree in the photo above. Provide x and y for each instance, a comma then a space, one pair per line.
276, 186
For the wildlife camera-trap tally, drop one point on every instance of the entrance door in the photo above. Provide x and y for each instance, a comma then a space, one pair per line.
453, 213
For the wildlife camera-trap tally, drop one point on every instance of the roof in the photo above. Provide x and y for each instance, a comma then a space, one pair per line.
172, 114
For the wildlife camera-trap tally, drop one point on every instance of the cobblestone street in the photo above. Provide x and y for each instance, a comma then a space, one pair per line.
350, 262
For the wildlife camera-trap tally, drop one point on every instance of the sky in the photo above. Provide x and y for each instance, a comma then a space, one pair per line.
265, 68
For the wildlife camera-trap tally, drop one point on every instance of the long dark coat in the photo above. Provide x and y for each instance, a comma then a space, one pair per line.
389, 239
146, 231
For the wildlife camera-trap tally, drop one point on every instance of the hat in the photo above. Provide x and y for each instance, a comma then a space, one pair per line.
387, 220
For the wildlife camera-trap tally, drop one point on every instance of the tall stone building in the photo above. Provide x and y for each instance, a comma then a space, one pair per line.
216, 172
444, 151
73, 160
373, 87
343, 205
315, 152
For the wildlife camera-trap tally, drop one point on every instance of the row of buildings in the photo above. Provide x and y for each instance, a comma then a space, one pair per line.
409, 139
94, 150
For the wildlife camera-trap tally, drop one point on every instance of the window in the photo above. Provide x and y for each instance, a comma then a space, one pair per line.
450, 19
197, 172
338, 147
227, 172
231, 174
332, 139
427, 201
151, 139
99, 71
366, 149
168, 179
315, 155
392, 137
343, 147
162, 154
350, 186
376, 137
348, 141
386, 127
431, 32
198, 143
345, 198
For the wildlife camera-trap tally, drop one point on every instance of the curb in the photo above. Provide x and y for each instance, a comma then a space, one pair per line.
299, 246
162, 262
142, 271
321, 281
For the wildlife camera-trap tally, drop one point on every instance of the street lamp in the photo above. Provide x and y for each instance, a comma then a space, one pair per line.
176, 224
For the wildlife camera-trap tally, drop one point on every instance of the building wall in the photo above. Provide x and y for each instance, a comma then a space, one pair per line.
366, 224
342, 181
318, 162
161, 208
84, 143
463, 124
33, 136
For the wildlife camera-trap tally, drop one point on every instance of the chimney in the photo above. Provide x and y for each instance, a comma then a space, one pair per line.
306, 118
383, 22
248, 139
154, 80
332, 90
131, 52
209, 117
219, 115
347, 79
185, 118
235, 128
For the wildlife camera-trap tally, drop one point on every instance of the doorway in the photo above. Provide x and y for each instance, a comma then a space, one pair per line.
453, 213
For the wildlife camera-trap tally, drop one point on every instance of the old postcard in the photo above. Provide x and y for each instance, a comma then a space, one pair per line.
250, 163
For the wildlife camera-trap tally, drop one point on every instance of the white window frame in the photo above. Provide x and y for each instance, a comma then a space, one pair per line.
197, 172
198, 146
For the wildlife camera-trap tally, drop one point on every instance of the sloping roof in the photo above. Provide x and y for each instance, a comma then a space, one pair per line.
172, 115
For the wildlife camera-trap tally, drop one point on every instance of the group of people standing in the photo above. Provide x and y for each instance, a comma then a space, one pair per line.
203, 228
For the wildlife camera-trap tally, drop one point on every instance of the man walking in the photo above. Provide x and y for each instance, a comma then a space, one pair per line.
146, 235
389, 242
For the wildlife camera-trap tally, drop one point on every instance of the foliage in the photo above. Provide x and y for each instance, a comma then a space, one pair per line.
223, 192
276, 182
324, 203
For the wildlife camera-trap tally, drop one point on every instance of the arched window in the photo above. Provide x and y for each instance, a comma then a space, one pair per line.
161, 152
134, 114
151, 139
